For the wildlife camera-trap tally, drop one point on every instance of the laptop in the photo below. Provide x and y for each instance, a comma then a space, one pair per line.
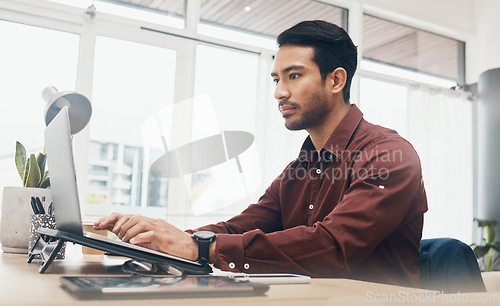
67, 208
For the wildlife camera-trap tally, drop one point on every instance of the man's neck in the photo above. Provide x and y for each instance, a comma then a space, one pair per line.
319, 134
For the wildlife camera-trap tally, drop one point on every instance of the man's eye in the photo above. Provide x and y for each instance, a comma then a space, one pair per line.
293, 76
276, 81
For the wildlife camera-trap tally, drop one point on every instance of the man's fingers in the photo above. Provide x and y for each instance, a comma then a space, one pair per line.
107, 222
120, 226
154, 234
97, 224
145, 239
133, 227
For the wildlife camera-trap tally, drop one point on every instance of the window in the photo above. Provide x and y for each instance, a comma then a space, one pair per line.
251, 22
229, 80
406, 74
402, 46
29, 63
131, 82
138, 75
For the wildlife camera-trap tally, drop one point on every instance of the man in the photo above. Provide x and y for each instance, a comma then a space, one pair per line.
352, 203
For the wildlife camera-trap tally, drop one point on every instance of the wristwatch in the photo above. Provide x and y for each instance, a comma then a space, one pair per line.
204, 238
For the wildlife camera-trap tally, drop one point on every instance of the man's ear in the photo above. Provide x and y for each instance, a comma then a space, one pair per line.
337, 79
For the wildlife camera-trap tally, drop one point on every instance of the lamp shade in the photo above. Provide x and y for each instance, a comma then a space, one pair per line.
79, 107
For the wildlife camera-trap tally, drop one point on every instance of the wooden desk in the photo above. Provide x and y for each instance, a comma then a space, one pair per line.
21, 284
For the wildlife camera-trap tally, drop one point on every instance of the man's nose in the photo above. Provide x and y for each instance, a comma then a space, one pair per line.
281, 92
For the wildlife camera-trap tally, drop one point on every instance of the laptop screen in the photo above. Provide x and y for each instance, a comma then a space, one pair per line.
62, 174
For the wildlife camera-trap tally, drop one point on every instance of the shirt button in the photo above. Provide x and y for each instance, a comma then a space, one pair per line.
231, 265
246, 266
311, 206
381, 186
318, 171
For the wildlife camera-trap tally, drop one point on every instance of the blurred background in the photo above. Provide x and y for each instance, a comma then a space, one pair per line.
138, 60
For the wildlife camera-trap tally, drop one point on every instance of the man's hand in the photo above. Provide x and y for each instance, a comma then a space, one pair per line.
154, 234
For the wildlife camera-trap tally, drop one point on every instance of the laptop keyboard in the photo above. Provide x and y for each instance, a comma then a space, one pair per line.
132, 246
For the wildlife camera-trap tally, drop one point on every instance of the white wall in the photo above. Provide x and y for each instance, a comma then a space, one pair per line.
485, 46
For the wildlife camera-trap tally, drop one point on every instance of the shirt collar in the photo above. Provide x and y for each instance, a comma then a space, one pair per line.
337, 142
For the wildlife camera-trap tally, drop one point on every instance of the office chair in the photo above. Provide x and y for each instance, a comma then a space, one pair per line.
450, 266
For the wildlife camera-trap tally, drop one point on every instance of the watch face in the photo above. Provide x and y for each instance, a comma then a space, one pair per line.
204, 235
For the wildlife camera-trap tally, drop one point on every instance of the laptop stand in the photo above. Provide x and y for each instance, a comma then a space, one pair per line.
51, 241
47, 247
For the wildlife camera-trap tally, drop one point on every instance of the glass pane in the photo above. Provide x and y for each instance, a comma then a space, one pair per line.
225, 106
381, 108
233, 97
132, 82
31, 58
403, 46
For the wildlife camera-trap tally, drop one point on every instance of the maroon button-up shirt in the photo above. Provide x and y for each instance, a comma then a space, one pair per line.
354, 209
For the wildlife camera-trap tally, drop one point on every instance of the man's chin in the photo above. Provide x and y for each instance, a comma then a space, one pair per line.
294, 126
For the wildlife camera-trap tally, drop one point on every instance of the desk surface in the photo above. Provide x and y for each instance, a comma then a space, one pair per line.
21, 284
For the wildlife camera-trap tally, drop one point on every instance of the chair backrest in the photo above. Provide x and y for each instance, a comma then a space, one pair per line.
450, 266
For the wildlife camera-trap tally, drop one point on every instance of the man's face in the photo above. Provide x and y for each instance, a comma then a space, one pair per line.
300, 90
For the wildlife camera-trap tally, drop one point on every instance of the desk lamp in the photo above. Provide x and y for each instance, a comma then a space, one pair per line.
78, 105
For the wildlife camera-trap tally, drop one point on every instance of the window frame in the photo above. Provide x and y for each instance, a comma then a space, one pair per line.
420, 25
74, 20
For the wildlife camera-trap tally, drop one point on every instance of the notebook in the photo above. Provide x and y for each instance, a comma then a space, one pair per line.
67, 207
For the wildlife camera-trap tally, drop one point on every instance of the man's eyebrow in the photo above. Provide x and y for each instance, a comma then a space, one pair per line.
288, 69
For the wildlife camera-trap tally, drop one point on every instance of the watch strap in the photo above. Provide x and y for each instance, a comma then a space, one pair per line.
204, 251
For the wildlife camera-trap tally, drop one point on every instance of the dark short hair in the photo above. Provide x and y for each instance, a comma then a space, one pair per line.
332, 45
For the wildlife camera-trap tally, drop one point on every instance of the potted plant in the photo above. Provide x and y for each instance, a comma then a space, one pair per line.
16, 207
487, 250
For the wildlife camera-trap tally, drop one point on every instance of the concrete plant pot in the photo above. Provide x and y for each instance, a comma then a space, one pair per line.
16, 212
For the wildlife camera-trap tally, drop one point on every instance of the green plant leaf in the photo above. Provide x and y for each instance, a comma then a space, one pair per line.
496, 245
26, 171
489, 233
484, 223
481, 250
45, 175
41, 159
20, 159
34, 175
489, 258
45, 183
